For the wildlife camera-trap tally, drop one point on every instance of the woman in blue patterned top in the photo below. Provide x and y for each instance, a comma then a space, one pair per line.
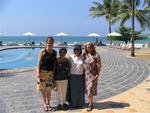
61, 77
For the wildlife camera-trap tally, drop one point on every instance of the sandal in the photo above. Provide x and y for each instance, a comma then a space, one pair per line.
49, 108
90, 107
45, 108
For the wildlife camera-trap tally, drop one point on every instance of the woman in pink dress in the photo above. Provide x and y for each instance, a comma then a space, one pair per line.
92, 64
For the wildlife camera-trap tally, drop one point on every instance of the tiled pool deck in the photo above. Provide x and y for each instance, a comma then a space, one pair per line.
124, 87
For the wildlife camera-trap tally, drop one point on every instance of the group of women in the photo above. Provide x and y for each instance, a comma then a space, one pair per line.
73, 76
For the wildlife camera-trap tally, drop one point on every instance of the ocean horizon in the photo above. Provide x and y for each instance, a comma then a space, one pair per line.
59, 39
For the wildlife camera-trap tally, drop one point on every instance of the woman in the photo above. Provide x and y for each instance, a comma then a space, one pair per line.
92, 64
45, 71
77, 78
61, 78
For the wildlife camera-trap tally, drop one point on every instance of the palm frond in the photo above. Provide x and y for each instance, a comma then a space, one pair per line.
143, 19
96, 12
125, 17
146, 2
146, 10
114, 20
137, 3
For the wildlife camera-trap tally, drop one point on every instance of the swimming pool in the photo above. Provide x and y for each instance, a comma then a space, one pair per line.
19, 58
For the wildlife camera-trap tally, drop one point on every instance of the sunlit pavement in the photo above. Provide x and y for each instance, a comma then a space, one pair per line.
124, 87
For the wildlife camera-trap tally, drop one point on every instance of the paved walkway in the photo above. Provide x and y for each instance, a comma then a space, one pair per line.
115, 90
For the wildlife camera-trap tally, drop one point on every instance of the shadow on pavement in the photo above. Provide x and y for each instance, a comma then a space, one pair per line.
6, 74
2, 107
110, 104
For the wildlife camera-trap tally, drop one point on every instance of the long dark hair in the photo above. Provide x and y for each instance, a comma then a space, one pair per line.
63, 49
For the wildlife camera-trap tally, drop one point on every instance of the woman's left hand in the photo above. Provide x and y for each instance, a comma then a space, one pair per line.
96, 77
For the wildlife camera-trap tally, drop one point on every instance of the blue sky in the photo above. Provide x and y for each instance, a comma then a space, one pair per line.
48, 17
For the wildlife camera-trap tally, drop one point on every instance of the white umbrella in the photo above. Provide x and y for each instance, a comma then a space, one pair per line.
94, 35
61, 34
29, 34
114, 34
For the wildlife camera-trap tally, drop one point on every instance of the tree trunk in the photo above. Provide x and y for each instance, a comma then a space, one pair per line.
109, 27
110, 30
132, 38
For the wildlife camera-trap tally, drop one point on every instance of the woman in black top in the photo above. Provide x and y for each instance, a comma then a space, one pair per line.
45, 71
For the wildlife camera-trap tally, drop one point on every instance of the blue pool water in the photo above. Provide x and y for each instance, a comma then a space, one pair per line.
19, 58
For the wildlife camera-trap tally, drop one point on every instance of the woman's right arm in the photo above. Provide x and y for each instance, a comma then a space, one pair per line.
39, 62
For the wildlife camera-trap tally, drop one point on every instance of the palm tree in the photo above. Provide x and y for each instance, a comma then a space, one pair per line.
109, 9
129, 9
126, 34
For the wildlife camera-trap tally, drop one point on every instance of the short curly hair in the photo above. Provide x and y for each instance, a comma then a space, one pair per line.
78, 47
